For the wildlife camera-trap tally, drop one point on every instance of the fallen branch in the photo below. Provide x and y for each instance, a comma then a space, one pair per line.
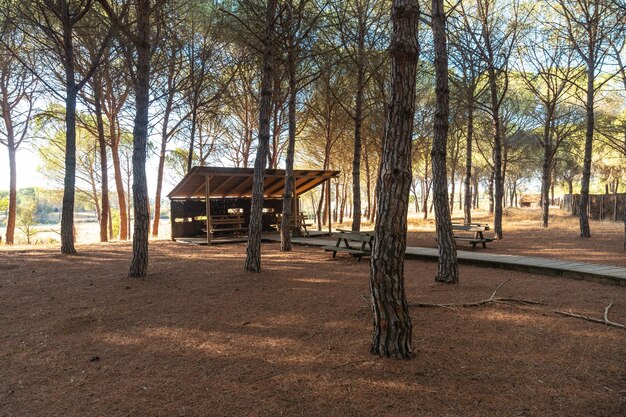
603, 320
492, 299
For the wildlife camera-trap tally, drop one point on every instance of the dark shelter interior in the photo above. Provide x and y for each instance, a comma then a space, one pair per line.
228, 192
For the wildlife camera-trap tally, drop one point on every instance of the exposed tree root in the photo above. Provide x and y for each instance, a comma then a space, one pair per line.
492, 299
603, 320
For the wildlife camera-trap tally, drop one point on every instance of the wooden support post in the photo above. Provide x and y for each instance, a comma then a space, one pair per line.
296, 213
330, 214
207, 195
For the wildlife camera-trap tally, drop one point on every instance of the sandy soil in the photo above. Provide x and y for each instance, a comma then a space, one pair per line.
198, 337
524, 236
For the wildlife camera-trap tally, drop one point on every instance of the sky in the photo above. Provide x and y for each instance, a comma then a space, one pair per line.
28, 174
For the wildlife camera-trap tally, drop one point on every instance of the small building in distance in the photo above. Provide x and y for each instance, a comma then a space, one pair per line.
530, 200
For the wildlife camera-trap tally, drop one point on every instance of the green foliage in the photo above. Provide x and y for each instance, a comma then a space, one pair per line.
27, 217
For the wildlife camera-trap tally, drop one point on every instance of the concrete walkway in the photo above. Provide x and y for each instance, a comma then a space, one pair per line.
577, 270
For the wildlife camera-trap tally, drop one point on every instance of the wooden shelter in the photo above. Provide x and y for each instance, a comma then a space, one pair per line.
217, 200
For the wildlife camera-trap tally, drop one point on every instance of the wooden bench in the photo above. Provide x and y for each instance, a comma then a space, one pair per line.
477, 237
227, 223
357, 244
301, 226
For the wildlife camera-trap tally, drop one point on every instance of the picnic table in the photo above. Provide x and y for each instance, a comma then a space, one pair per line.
227, 224
301, 228
357, 244
474, 233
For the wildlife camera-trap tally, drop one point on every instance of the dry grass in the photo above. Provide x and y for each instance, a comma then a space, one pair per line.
523, 235
199, 337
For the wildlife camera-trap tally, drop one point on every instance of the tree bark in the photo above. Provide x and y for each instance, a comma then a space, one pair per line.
160, 170
10, 232
139, 262
545, 185
119, 188
255, 228
448, 267
583, 219
392, 324
490, 192
104, 165
69, 183
358, 121
11, 147
285, 227
467, 208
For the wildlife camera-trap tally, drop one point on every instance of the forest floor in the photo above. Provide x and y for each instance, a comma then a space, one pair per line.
199, 337
524, 236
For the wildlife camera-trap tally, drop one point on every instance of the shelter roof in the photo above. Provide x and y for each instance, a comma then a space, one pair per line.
237, 182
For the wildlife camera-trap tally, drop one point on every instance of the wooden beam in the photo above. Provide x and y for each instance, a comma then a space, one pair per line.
207, 193
274, 186
199, 188
330, 214
245, 183
305, 184
295, 212
222, 185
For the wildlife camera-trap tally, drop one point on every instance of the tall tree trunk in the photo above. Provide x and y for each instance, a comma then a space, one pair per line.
448, 267
452, 189
255, 228
475, 194
368, 185
545, 184
139, 262
358, 121
498, 183
490, 192
10, 232
392, 324
426, 195
10, 134
192, 135
583, 219
69, 183
285, 227
104, 164
161, 167
320, 205
467, 210
119, 188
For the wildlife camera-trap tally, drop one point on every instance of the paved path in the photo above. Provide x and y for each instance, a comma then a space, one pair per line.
577, 270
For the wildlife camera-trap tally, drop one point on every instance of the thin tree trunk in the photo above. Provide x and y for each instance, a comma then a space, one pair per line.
319, 208
10, 232
452, 189
467, 213
392, 325
583, 219
139, 262
255, 228
490, 192
448, 268
368, 186
498, 185
67, 212
358, 121
159, 185
121, 194
104, 164
285, 227
545, 185
10, 134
